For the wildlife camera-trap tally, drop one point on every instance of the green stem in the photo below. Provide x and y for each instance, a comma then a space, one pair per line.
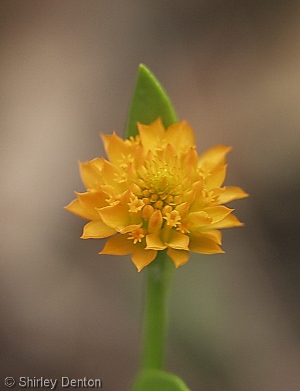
155, 321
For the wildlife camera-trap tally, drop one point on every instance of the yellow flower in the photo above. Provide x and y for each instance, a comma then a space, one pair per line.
154, 193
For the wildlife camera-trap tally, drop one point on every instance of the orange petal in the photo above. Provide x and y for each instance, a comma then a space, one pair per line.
218, 213
110, 191
151, 135
231, 193
216, 177
87, 203
155, 221
141, 257
115, 216
92, 200
77, 208
109, 174
178, 241
228, 222
190, 160
154, 242
179, 257
214, 157
213, 234
97, 229
169, 154
118, 245
91, 173
115, 147
204, 245
182, 209
198, 219
181, 136
130, 228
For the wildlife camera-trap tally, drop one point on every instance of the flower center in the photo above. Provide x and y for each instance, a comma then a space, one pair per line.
158, 195
161, 187
161, 180
160, 177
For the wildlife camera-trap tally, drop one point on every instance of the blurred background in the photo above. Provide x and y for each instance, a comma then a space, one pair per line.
232, 69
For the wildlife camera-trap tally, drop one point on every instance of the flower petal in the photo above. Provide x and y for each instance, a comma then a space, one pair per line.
181, 136
115, 147
179, 257
77, 208
216, 178
130, 228
229, 221
190, 160
154, 242
110, 174
178, 241
92, 200
118, 245
231, 193
204, 245
217, 213
183, 209
155, 221
214, 157
87, 203
115, 216
213, 234
141, 257
198, 219
97, 229
151, 135
91, 173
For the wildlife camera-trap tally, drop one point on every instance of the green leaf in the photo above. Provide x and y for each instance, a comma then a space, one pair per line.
148, 103
157, 380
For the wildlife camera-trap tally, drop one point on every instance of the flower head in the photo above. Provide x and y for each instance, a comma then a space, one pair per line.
154, 193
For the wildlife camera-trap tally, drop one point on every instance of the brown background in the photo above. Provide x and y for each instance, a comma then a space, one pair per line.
232, 69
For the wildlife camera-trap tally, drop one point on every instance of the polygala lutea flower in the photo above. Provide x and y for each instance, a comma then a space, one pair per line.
154, 193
